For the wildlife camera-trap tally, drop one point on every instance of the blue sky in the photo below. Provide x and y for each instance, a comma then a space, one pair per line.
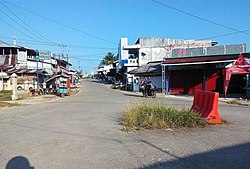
92, 28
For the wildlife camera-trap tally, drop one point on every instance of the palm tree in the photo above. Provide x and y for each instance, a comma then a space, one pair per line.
109, 59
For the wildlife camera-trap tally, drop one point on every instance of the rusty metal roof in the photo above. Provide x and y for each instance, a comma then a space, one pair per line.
26, 71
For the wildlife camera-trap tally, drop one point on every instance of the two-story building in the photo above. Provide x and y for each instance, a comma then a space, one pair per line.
150, 49
30, 66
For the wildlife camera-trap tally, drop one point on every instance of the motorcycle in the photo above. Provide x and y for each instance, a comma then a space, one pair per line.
149, 90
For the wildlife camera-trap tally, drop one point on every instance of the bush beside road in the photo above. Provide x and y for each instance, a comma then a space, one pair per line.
83, 131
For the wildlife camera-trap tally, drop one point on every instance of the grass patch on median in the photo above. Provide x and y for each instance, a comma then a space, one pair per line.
141, 116
7, 104
237, 102
5, 95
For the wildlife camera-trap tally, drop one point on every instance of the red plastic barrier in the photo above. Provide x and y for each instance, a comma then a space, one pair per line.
206, 104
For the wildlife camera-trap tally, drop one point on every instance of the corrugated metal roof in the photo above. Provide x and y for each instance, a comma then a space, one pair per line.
148, 68
28, 71
57, 76
6, 45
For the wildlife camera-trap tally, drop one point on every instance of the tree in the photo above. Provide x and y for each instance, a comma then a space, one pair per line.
109, 59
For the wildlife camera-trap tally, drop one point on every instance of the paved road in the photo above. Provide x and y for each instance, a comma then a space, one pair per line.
83, 131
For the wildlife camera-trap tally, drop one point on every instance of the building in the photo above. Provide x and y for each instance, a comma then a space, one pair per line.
208, 70
150, 49
32, 67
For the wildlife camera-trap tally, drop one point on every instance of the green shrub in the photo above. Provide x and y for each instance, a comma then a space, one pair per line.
143, 116
5, 95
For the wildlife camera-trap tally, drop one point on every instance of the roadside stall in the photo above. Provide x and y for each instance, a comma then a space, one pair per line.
59, 85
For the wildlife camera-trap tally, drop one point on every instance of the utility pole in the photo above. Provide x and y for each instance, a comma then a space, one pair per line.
79, 67
68, 55
62, 46
37, 73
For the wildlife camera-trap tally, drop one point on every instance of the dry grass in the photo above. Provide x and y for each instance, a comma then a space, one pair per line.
7, 104
142, 116
5, 95
237, 102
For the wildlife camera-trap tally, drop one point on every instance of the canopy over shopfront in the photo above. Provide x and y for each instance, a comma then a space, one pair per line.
240, 66
150, 69
208, 72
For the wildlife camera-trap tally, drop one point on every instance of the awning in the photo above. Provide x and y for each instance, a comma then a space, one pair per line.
241, 66
206, 59
199, 63
56, 76
150, 68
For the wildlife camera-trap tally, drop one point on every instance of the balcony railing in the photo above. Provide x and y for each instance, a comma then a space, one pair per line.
132, 62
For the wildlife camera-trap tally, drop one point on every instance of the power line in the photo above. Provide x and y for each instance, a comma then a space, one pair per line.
87, 55
18, 24
218, 36
36, 42
40, 36
59, 23
15, 28
90, 47
200, 18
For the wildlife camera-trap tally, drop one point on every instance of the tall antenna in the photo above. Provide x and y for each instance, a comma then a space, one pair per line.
14, 39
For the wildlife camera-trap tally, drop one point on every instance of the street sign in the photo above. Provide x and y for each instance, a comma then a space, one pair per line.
44, 55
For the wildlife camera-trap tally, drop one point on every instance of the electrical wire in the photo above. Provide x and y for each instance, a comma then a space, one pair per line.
15, 28
36, 33
200, 18
60, 23
36, 42
19, 25
227, 34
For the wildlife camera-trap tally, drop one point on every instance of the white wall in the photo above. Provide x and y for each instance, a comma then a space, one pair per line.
152, 54
22, 58
46, 66
123, 54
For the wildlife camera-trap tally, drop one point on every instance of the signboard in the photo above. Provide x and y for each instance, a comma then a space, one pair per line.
44, 55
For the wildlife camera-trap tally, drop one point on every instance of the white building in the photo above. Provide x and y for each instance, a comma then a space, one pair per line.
150, 49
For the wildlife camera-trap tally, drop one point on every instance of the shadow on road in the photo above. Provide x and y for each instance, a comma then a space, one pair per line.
232, 157
18, 162
132, 94
100, 82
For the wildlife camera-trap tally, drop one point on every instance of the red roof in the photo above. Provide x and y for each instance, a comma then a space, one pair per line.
26, 71
206, 58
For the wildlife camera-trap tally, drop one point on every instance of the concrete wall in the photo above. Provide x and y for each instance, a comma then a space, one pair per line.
175, 43
155, 48
123, 54
151, 54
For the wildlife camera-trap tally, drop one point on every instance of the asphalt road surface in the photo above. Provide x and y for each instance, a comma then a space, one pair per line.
84, 131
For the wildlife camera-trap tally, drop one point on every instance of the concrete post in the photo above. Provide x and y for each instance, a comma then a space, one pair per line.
44, 87
14, 86
1, 81
36, 85
26, 85
1, 85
